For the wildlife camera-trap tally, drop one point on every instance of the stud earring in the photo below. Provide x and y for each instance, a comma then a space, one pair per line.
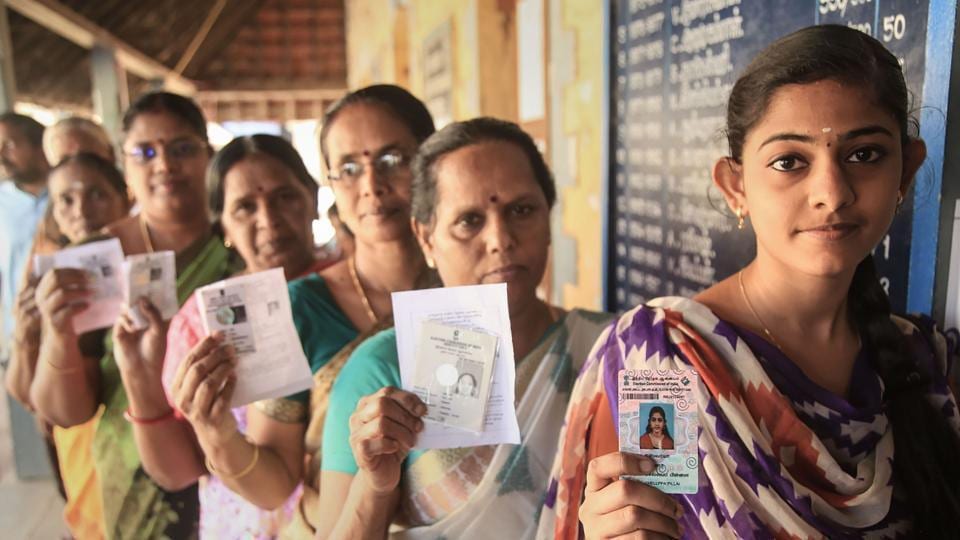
227, 244
431, 264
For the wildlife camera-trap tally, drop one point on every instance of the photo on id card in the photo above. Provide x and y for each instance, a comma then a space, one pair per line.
453, 374
658, 418
226, 311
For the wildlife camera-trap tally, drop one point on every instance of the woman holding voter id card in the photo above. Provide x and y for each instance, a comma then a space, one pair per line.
165, 156
265, 201
482, 196
818, 414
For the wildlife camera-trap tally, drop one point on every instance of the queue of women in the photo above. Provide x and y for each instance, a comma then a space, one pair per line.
821, 413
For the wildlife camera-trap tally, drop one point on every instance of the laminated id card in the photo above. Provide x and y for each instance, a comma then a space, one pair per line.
658, 418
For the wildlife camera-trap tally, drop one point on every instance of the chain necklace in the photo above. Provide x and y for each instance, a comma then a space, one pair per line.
766, 331
352, 265
145, 234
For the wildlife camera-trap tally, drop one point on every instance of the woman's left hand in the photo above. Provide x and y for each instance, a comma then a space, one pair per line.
27, 314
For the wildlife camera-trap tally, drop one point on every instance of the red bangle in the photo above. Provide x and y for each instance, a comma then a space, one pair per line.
147, 421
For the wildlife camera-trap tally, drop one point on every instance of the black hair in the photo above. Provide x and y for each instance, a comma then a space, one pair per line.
659, 409
926, 447
182, 107
462, 134
30, 128
242, 147
104, 168
396, 100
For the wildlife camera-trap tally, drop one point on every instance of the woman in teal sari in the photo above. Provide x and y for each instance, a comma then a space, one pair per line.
481, 207
165, 156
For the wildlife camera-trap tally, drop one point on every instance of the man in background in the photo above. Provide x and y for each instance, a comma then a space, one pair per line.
23, 200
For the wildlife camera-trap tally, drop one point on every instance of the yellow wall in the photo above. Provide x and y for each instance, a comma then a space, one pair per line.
484, 42
582, 122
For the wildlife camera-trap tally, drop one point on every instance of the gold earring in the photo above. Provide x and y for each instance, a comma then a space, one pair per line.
739, 214
227, 244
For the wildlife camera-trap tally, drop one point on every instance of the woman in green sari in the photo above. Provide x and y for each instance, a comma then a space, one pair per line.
165, 152
481, 210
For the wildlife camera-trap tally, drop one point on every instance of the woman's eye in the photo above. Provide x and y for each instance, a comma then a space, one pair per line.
865, 155
469, 220
245, 208
523, 209
787, 163
66, 200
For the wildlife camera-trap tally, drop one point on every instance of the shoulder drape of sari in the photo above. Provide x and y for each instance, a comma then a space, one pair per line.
497, 491
779, 456
133, 505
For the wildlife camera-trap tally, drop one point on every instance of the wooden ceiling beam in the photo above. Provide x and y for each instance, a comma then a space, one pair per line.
253, 96
74, 27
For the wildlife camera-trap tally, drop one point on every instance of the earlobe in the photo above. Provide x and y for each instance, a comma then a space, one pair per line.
728, 177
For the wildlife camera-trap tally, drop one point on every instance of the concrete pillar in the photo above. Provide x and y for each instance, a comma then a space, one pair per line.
109, 88
8, 84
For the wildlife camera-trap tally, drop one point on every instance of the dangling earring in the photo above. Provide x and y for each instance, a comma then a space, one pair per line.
227, 244
739, 214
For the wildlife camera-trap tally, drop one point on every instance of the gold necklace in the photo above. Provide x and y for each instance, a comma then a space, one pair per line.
145, 234
756, 316
352, 265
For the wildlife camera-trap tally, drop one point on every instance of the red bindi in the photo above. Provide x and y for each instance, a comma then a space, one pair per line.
494, 199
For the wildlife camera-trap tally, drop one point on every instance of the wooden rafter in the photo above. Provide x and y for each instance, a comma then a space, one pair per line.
201, 35
74, 27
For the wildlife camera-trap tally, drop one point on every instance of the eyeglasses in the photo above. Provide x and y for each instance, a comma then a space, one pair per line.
386, 164
183, 149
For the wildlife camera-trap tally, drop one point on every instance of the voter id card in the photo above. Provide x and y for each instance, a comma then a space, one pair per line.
658, 418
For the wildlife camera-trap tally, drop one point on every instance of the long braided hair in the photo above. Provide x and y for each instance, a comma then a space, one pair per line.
926, 465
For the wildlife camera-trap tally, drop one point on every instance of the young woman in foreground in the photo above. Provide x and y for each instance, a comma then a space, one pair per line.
821, 415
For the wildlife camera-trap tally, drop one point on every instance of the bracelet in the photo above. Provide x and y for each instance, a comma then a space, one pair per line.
61, 369
147, 421
241, 474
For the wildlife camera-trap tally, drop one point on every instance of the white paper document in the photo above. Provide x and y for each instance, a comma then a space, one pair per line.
103, 262
152, 276
454, 379
253, 312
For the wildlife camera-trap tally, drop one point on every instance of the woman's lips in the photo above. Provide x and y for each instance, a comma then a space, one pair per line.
832, 232
380, 213
504, 273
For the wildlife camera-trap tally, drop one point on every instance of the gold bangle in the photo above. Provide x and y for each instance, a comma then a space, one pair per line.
241, 474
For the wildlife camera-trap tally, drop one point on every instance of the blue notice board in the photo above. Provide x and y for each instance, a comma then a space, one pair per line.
671, 65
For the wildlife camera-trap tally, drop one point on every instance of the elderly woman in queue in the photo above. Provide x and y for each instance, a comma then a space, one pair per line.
482, 199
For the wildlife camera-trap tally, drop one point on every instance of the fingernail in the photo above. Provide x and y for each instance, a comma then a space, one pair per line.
419, 426
682, 530
647, 466
421, 409
679, 512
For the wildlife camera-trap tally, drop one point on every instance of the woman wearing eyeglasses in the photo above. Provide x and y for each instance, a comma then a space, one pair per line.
367, 140
165, 157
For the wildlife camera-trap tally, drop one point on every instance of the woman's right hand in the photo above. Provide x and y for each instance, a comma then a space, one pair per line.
202, 389
383, 429
615, 507
62, 293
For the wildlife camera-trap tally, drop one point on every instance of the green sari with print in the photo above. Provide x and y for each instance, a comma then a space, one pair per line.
133, 505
